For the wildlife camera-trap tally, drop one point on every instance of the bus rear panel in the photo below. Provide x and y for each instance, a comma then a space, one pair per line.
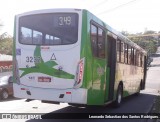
47, 64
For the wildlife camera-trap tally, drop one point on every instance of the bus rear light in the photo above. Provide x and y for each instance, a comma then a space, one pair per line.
79, 74
68, 92
23, 89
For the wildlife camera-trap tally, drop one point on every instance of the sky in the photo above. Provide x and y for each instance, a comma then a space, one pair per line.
133, 16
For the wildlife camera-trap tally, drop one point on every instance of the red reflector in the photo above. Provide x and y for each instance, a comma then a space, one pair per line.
23, 89
68, 92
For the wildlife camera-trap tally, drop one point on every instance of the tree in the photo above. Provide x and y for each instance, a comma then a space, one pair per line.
149, 32
149, 43
4, 35
6, 43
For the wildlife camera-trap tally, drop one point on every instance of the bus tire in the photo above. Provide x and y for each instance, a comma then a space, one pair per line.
119, 96
139, 88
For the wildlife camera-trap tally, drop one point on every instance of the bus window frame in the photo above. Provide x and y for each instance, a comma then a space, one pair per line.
118, 50
98, 26
125, 53
43, 33
122, 52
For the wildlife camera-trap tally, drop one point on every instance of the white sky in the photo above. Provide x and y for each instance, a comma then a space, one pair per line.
134, 17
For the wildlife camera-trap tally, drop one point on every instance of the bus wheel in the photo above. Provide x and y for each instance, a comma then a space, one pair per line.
119, 96
139, 89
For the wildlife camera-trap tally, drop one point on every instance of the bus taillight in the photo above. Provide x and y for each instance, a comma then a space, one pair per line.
79, 74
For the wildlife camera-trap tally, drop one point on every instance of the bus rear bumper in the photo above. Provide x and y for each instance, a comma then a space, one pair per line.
78, 96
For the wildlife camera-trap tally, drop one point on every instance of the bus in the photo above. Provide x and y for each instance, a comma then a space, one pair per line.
71, 56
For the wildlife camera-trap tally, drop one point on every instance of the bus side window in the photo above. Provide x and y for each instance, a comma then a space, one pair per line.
132, 56
142, 60
122, 52
126, 53
139, 59
135, 53
129, 54
94, 40
101, 43
118, 50
98, 41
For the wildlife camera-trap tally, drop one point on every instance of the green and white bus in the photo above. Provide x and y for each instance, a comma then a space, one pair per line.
71, 56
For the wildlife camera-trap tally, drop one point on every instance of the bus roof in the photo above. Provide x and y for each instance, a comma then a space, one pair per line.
50, 11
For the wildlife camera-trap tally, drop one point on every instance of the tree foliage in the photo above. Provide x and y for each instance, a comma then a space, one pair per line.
6, 43
149, 43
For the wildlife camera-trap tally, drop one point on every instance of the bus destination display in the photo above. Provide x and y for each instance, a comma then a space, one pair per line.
65, 20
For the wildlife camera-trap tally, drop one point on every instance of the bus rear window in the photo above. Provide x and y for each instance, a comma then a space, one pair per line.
49, 29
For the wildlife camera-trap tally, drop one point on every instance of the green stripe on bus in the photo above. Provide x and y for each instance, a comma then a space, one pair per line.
45, 67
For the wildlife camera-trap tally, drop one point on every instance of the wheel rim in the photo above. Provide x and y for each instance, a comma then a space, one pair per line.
5, 95
119, 97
